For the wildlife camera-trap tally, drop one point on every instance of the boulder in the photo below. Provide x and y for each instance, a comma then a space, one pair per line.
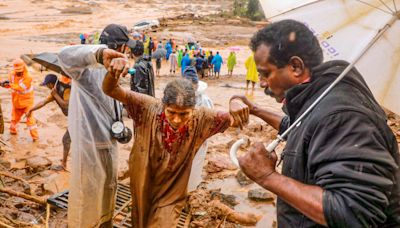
37, 163
260, 194
243, 179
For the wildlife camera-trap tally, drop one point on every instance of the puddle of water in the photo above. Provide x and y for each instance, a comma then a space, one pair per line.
231, 186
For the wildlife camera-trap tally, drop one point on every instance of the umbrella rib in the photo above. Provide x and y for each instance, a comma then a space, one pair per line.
395, 7
310, 3
366, 3
391, 10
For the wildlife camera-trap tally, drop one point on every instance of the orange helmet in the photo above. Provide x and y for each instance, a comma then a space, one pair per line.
19, 65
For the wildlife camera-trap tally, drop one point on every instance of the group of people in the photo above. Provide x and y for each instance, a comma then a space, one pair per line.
340, 164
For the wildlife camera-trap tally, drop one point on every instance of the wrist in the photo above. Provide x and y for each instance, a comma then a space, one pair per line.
99, 55
253, 110
267, 181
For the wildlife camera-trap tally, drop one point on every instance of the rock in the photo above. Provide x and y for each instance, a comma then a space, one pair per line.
229, 200
6, 164
243, 179
55, 183
398, 133
219, 163
26, 217
260, 194
37, 163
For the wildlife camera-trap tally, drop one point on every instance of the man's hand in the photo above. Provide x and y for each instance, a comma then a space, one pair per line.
257, 164
239, 113
29, 113
109, 55
53, 92
245, 101
119, 67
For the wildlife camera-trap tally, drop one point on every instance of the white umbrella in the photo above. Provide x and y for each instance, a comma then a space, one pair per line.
366, 33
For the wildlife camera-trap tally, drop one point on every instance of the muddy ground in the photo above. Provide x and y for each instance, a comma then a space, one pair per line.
30, 27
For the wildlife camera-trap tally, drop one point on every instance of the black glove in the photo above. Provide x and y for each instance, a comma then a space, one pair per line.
5, 83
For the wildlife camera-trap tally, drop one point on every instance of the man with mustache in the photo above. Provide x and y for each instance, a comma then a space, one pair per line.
341, 162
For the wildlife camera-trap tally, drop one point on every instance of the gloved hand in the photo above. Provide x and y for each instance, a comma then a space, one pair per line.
5, 83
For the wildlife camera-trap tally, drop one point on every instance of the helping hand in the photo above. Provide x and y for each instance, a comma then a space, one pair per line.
257, 164
246, 101
239, 113
119, 67
109, 55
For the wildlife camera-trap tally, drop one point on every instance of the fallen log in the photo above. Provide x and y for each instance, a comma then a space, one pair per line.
24, 196
17, 178
246, 219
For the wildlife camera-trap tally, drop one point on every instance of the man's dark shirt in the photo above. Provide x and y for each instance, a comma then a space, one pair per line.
143, 80
344, 146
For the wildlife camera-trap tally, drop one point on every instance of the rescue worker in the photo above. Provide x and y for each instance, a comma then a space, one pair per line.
20, 83
60, 91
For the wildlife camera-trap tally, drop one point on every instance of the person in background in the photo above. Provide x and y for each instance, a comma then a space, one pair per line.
60, 93
168, 47
202, 100
94, 151
82, 38
151, 47
217, 63
185, 62
143, 79
180, 57
158, 66
210, 64
22, 97
199, 65
173, 59
231, 63
168, 133
252, 74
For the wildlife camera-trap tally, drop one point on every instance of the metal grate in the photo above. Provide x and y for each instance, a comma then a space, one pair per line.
122, 213
184, 220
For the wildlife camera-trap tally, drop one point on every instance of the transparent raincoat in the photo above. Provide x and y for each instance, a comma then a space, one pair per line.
94, 155
202, 100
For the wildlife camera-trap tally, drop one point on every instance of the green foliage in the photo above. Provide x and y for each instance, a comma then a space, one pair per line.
248, 8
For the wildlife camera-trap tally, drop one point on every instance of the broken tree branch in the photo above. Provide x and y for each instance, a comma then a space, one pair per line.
6, 174
23, 195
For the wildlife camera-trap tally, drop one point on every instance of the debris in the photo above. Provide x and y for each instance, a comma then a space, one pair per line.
76, 10
26, 186
23, 195
229, 200
218, 163
37, 163
243, 179
260, 194
247, 219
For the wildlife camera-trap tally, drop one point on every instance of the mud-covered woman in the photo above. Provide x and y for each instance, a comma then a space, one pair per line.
167, 134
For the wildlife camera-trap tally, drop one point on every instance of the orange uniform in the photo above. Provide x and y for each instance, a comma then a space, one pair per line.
22, 98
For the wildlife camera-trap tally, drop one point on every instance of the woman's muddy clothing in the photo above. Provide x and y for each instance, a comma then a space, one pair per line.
94, 165
161, 159
344, 146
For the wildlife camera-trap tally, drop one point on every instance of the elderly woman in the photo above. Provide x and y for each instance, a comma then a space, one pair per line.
168, 133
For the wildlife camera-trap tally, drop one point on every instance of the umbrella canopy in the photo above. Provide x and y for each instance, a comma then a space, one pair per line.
49, 61
159, 53
365, 33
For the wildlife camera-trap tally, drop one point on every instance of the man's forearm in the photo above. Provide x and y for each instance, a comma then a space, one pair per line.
305, 198
272, 118
60, 101
38, 105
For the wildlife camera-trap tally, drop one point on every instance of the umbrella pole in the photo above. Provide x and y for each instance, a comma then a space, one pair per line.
271, 147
